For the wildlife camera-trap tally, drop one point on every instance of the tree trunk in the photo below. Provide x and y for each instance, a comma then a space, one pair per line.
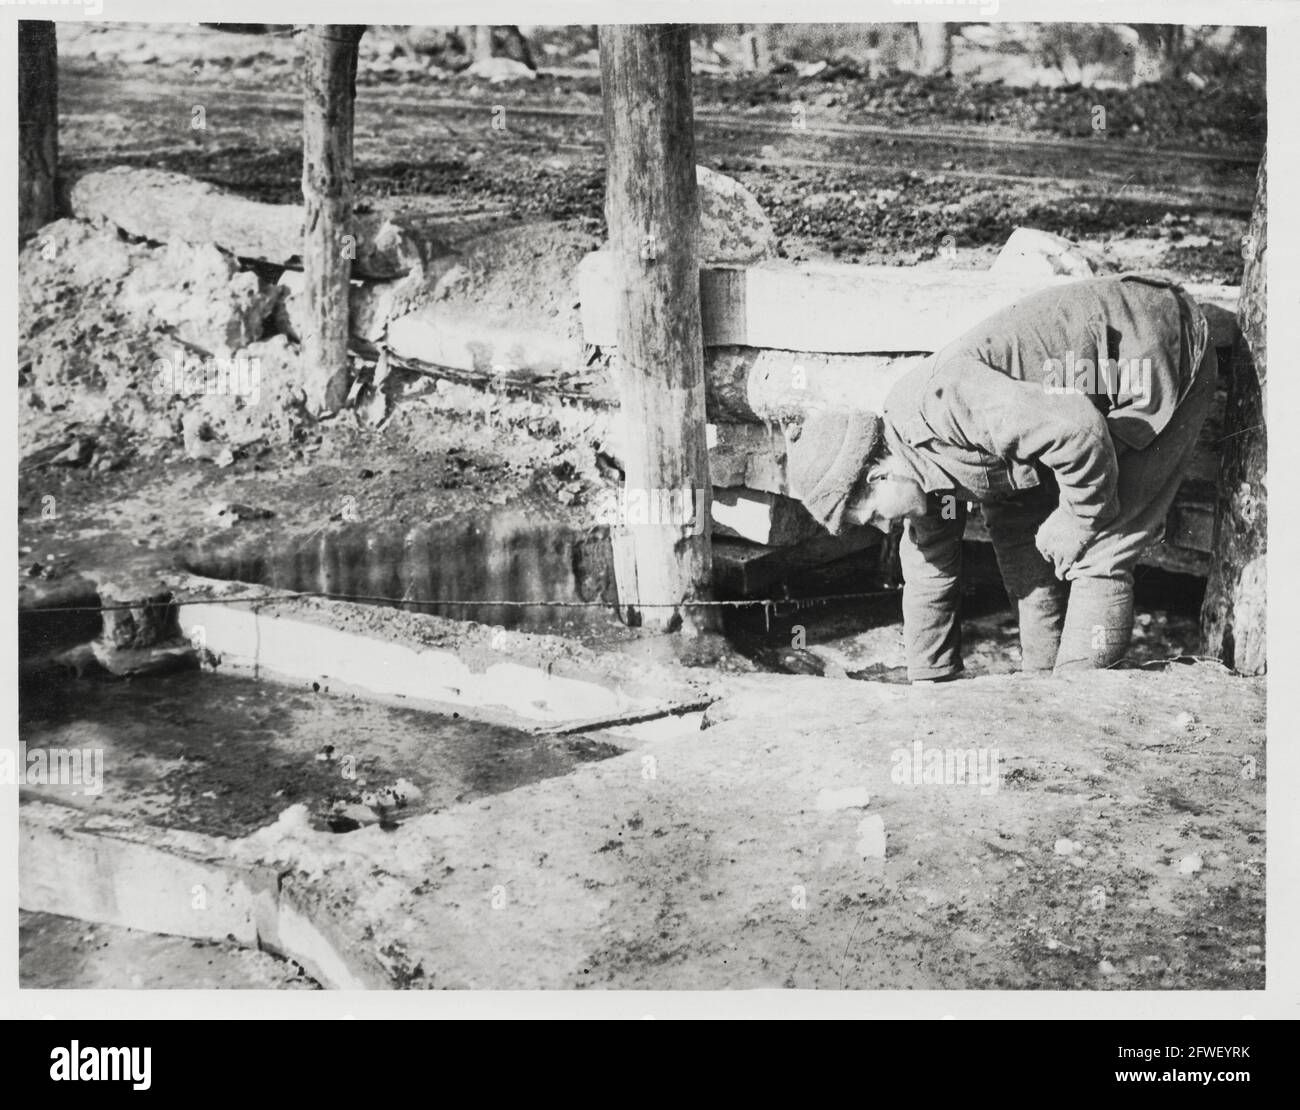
38, 125
1158, 54
482, 43
329, 244
662, 558
1234, 615
934, 47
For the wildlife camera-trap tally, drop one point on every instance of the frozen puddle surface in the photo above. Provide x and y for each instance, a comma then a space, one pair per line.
225, 756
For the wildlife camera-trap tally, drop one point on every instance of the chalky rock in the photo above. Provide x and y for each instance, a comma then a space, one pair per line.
851, 797
202, 294
499, 70
733, 228
871, 838
1029, 251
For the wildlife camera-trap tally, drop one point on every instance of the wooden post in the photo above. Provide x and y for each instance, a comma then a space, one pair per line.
661, 545
483, 43
329, 246
38, 125
1234, 615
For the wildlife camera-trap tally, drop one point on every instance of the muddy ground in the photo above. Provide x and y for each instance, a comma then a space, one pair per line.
786, 846
891, 169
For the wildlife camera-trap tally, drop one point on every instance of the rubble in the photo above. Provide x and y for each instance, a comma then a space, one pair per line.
77, 453
200, 294
154, 340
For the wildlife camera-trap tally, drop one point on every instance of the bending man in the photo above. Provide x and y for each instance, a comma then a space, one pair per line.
1070, 417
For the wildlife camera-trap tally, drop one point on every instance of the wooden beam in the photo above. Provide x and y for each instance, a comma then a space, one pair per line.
743, 385
38, 125
748, 384
489, 345
839, 308
749, 569
329, 245
652, 211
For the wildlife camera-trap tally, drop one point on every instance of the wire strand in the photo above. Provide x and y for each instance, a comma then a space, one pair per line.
773, 602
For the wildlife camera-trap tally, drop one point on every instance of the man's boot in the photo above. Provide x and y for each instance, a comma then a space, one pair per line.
1042, 613
1098, 624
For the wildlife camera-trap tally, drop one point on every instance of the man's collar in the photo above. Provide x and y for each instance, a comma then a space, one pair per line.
924, 471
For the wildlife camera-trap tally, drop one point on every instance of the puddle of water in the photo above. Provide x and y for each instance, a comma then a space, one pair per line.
225, 756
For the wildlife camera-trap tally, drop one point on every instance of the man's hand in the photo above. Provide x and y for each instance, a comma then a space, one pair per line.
1062, 539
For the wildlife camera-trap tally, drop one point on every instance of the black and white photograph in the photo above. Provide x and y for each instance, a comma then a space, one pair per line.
644, 506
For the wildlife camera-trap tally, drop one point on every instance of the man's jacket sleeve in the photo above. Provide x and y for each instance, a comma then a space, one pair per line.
975, 405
